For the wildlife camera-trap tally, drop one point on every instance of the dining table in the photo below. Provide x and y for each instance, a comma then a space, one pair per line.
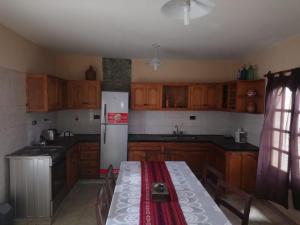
196, 205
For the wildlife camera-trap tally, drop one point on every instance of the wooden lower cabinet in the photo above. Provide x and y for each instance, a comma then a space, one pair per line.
82, 161
72, 166
238, 168
89, 160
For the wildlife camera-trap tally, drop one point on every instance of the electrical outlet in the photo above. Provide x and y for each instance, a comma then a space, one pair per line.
96, 117
192, 117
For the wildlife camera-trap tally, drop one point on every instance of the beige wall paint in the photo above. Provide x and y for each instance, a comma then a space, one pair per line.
22, 55
184, 70
73, 66
281, 56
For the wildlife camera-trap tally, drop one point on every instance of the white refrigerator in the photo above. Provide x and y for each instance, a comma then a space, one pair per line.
114, 129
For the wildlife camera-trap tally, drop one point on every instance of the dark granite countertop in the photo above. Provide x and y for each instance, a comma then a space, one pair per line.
59, 146
227, 144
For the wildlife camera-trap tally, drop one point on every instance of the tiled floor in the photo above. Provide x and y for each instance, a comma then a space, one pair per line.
78, 208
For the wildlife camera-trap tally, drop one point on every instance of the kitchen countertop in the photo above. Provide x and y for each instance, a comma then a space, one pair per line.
227, 144
60, 145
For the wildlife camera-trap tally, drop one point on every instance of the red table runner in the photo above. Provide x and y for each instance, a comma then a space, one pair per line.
158, 213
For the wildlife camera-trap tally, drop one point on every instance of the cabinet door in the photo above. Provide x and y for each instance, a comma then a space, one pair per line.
194, 159
149, 151
52, 92
72, 166
220, 161
75, 93
136, 156
89, 160
138, 96
233, 175
196, 155
61, 94
36, 93
196, 96
154, 96
249, 168
210, 92
91, 95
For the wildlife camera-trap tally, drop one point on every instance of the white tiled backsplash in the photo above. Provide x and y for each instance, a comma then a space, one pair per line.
78, 121
16, 130
206, 122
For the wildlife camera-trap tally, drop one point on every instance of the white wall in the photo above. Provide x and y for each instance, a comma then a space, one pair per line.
162, 122
16, 130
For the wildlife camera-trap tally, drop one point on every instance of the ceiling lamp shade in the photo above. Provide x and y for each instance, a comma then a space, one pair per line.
187, 9
155, 61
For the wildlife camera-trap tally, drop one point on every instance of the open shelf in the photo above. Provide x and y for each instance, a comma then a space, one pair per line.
243, 100
175, 97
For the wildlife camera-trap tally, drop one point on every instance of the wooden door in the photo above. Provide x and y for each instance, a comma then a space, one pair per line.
91, 95
52, 92
249, 168
75, 94
138, 96
36, 93
154, 96
196, 96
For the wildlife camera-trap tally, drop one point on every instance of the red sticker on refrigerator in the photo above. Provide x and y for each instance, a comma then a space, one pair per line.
117, 118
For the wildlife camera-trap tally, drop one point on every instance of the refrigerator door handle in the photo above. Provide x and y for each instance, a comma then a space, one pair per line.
104, 112
104, 134
105, 121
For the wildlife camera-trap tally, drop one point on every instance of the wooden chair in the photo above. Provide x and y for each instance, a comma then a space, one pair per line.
222, 201
101, 207
210, 179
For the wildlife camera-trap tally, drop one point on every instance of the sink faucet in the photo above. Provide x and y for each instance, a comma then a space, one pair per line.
178, 130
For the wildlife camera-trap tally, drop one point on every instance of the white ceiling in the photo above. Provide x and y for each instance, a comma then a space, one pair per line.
128, 28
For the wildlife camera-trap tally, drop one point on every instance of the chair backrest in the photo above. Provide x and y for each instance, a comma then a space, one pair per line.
210, 179
101, 207
221, 200
110, 183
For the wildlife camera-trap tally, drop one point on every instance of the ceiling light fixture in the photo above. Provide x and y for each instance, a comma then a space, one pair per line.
155, 61
187, 9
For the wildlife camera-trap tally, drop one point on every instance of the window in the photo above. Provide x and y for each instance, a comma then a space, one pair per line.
281, 129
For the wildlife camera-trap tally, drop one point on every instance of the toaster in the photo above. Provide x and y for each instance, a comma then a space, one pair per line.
240, 136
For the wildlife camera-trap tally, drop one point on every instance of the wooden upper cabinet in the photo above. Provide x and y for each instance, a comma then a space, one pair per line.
83, 94
205, 96
196, 93
146, 96
52, 93
154, 96
44, 93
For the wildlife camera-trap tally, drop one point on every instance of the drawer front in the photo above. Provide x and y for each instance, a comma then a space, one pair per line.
89, 155
145, 146
89, 164
89, 172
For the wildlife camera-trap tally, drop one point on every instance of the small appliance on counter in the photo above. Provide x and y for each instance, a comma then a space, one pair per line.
240, 136
50, 134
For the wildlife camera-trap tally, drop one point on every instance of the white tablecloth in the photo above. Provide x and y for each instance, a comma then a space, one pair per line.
197, 206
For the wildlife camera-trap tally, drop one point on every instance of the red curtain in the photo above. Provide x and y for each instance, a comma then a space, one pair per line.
278, 163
